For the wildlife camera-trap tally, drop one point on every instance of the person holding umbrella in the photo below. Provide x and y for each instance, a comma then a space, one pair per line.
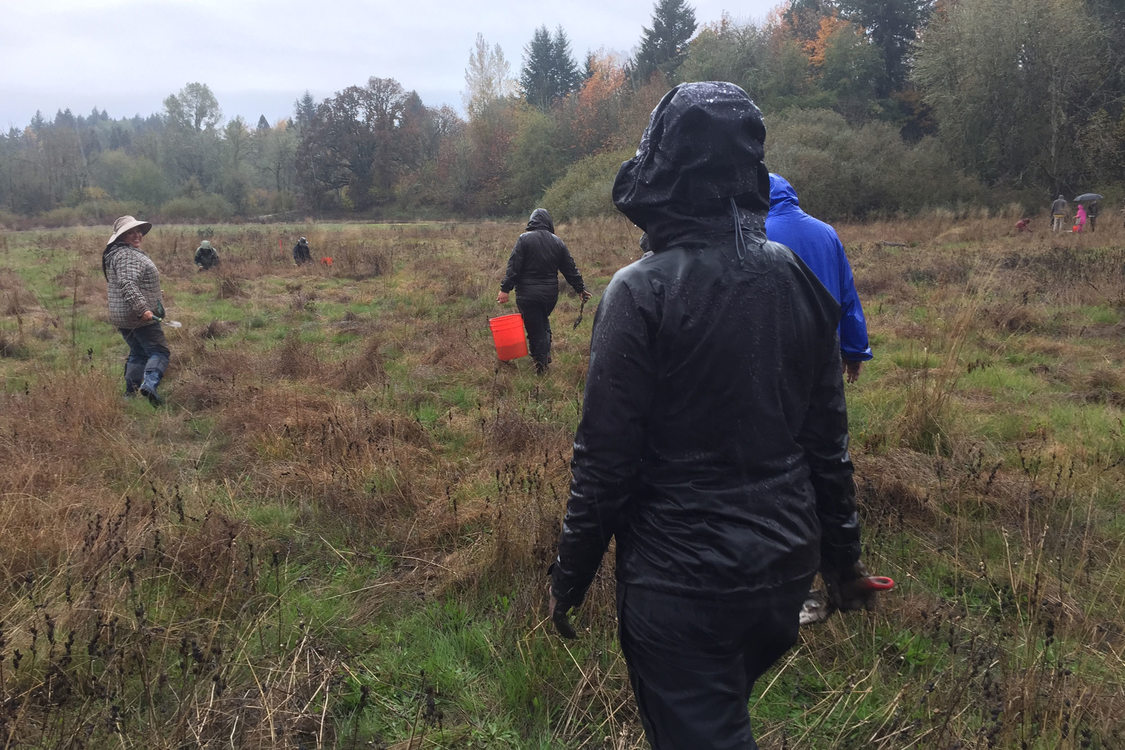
1088, 204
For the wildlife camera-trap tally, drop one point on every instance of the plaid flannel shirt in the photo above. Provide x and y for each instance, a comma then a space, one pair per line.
132, 286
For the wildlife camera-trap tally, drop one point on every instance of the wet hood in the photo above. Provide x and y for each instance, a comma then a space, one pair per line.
704, 145
540, 219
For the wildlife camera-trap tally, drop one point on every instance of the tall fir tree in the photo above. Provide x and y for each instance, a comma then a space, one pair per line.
664, 45
549, 71
892, 26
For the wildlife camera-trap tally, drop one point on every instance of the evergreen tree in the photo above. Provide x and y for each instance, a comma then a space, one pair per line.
535, 78
664, 46
304, 111
549, 70
892, 26
568, 76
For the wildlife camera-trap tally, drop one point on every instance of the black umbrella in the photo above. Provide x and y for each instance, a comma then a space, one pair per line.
1087, 197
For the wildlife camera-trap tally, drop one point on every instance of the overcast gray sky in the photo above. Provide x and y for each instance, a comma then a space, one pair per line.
259, 56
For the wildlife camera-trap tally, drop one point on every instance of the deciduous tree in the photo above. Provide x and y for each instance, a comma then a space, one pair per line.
194, 107
488, 77
1012, 98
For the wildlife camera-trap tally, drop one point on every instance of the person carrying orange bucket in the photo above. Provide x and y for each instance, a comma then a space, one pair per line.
533, 271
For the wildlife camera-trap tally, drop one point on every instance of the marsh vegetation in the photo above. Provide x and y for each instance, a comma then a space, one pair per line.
336, 532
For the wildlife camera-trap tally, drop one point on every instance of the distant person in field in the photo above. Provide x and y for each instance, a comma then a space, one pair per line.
1058, 214
1023, 225
136, 307
301, 252
1080, 218
206, 256
818, 245
533, 271
1092, 215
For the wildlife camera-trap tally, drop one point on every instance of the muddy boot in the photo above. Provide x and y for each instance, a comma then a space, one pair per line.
148, 388
134, 376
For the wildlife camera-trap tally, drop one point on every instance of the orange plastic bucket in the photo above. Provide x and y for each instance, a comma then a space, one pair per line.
507, 334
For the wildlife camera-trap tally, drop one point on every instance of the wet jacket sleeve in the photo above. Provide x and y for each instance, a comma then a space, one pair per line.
853, 325
608, 444
515, 267
824, 437
569, 269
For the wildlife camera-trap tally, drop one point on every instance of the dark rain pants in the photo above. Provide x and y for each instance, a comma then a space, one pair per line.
693, 662
536, 312
148, 356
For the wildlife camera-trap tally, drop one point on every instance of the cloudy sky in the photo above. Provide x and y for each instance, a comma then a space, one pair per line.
259, 56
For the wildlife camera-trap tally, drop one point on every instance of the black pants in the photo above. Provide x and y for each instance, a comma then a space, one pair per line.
693, 662
536, 313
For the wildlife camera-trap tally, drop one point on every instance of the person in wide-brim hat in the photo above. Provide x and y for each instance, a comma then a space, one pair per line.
124, 224
136, 306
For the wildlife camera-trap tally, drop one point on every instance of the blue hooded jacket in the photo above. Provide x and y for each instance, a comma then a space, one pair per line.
818, 245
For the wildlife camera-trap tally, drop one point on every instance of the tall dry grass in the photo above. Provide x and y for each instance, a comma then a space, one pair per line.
341, 450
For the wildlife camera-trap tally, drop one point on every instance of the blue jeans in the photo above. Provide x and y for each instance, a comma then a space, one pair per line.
148, 355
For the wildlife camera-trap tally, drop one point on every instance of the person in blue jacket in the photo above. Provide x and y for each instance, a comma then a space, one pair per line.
817, 244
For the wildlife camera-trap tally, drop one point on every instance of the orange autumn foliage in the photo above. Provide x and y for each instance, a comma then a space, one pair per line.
817, 48
596, 102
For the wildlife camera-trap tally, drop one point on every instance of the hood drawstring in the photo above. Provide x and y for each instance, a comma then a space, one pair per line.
739, 242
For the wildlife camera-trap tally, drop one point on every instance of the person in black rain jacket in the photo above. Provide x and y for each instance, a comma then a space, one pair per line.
713, 442
533, 271
302, 253
206, 256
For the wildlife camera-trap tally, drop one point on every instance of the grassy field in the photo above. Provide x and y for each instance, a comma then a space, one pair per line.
336, 533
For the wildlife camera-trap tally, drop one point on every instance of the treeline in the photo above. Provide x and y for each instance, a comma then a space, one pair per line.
872, 107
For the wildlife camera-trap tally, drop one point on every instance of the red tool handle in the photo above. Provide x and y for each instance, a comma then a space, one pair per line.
878, 583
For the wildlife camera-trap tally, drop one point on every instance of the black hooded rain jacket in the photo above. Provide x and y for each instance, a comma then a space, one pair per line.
536, 261
713, 442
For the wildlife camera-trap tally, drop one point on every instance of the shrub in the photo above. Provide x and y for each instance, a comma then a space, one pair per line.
844, 172
88, 213
204, 207
586, 187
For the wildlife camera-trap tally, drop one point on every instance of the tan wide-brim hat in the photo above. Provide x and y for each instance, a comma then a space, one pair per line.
124, 224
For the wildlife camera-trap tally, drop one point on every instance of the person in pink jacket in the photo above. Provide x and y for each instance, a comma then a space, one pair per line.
1080, 218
